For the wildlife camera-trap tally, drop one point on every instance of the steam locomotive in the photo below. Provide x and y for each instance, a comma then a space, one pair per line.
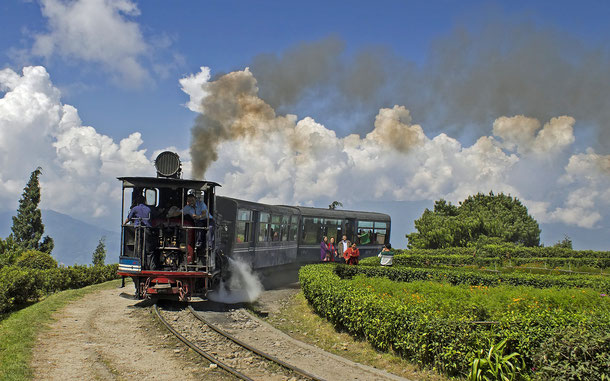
170, 254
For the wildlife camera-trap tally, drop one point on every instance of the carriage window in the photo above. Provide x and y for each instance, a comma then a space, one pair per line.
243, 227
380, 236
275, 227
311, 230
365, 232
264, 227
380, 232
332, 229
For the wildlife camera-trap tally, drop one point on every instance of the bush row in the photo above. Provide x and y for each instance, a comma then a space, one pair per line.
419, 260
476, 277
507, 251
19, 285
438, 325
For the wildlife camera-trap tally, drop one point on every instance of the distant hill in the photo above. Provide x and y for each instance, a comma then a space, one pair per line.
75, 240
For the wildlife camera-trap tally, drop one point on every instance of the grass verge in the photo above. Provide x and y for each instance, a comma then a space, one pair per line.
297, 319
18, 331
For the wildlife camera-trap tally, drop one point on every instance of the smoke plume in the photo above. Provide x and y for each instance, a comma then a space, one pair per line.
469, 78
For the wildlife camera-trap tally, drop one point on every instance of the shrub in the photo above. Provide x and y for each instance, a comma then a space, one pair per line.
34, 259
19, 285
444, 326
574, 354
477, 277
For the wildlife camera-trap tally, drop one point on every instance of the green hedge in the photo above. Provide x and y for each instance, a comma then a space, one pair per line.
408, 258
439, 325
502, 251
19, 285
476, 277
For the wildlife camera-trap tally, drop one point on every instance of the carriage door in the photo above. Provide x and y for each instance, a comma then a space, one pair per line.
350, 226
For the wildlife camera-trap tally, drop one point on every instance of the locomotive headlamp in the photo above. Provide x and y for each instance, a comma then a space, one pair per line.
168, 164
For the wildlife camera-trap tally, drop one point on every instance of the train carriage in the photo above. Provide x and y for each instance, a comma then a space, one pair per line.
170, 254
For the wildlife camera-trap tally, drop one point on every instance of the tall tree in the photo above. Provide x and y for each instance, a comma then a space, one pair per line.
480, 218
99, 255
27, 229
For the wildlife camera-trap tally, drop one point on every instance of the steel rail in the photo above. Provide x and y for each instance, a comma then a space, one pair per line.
200, 351
255, 350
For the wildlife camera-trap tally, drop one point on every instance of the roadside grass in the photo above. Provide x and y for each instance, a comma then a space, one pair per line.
19, 330
297, 319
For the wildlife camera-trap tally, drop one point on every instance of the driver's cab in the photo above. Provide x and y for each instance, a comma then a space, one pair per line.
159, 233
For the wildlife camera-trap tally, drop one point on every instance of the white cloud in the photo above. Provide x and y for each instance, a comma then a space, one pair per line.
524, 135
96, 31
79, 164
284, 160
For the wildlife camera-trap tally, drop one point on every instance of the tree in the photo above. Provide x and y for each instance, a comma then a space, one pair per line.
35, 259
478, 219
99, 255
27, 229
334, 205
565, 243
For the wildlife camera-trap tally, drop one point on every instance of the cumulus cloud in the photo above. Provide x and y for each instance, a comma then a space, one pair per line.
79, 164
524, 134
96, 31
262, 156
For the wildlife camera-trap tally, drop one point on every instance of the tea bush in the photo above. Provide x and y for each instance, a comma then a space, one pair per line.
476, 277
19, 285
443, 326
436, 259
510, 251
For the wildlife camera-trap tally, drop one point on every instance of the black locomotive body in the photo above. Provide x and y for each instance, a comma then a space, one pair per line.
173, 255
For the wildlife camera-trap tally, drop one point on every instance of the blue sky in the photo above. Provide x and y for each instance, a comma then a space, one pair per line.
226, 35
172, 42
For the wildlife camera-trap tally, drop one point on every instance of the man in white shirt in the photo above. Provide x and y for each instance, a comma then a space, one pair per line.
342, 246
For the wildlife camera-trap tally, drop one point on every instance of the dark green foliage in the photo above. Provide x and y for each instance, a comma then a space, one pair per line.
574, 354
425, 260
27, 229
9, 251
19, 285
99, 255
333, 205
34, 259
565, 243
509, 251
478, 219
439, 325
476, 277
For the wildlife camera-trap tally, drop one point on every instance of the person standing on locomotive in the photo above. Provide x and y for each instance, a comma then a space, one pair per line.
139, 213
198, 210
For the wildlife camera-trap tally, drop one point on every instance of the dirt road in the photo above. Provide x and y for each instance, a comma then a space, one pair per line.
104, 336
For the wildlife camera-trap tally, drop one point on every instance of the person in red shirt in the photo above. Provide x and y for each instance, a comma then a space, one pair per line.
352, 255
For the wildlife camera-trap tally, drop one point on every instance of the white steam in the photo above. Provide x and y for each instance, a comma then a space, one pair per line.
243, 286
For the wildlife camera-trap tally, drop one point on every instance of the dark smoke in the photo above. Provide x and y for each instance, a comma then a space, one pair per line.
466, 81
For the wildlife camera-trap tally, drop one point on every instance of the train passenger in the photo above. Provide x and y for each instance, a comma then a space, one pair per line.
139, 213
387, 255
333, 249
324, 250
352, 255
343, 245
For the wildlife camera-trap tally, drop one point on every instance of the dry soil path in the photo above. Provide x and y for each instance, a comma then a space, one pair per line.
106, 337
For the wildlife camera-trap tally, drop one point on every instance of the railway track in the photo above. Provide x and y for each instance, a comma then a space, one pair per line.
229, 353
